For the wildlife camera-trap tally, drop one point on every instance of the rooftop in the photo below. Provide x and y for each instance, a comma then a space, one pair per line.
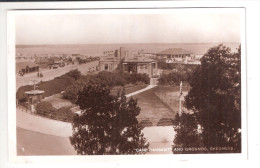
174, 51
138, 60
34, 92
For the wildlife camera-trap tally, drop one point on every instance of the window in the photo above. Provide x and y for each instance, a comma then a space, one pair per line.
106, 66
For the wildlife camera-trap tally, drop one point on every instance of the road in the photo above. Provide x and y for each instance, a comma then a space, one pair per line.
50, 74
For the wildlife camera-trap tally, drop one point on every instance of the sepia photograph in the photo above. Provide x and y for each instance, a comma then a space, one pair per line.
129, 82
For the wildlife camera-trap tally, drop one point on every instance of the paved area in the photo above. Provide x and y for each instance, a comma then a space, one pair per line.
42, 125
34, 143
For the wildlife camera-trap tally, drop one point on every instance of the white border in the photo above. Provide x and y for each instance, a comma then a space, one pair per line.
152, 159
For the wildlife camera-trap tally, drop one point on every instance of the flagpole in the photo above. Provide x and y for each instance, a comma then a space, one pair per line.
180, 108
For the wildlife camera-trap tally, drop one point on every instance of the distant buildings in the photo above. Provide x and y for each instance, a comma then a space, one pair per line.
172, 55
130, 63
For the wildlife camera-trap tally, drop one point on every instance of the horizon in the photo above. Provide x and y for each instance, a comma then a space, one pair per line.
177, 26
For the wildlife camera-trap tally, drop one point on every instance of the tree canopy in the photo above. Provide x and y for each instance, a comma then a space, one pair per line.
107, 124
215, 98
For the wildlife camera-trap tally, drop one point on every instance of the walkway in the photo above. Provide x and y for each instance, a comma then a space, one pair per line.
140, 91
153, 83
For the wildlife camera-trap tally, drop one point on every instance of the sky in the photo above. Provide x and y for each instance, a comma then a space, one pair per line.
184, 27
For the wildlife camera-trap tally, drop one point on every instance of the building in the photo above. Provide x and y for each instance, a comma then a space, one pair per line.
130, 63
139, 65
34, 97
108, 63
172, 55
26, 67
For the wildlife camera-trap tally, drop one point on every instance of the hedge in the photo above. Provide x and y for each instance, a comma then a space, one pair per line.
46, 109
51, 87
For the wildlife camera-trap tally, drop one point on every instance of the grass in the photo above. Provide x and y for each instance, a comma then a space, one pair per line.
57, 101
128, 88
152, 108
169, 95
159, 104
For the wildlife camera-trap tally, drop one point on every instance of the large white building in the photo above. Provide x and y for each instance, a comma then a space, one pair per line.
172, 55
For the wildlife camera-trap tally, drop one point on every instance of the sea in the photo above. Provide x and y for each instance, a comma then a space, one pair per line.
98, 49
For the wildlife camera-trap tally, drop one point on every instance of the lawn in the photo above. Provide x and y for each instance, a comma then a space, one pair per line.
169, 95
57, 101
152, 108
128, 88
161, 102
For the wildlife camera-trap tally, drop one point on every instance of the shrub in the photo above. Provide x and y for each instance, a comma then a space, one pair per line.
44, 108
146, 123
165, 122
51, 87
64, 114
76, 74
174, 78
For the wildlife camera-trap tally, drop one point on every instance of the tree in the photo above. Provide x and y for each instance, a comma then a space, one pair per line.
188, 134
76, 74
44, 108
107, 124
215, 97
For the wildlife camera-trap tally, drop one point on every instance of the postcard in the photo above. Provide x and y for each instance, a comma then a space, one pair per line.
131, 83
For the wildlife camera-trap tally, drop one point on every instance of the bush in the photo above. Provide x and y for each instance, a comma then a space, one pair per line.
76, 74
44, 108
110, 79
174, 78
51, 87
178, 66
146, 123
165, 122
64, 114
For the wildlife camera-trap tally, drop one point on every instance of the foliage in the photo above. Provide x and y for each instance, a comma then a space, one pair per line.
110, 79
177, 66
76, 74
215, 97
146, 123
107, 124
44, 108
63, 114
71, 92
51, 87
174, 78
187, 134
165, 122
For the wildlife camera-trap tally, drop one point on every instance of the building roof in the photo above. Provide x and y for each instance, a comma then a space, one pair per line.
174, 51
139, 60
34, 92
112, 59
23, 65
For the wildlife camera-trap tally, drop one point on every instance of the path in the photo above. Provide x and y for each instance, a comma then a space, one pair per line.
140, 91
153, 83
